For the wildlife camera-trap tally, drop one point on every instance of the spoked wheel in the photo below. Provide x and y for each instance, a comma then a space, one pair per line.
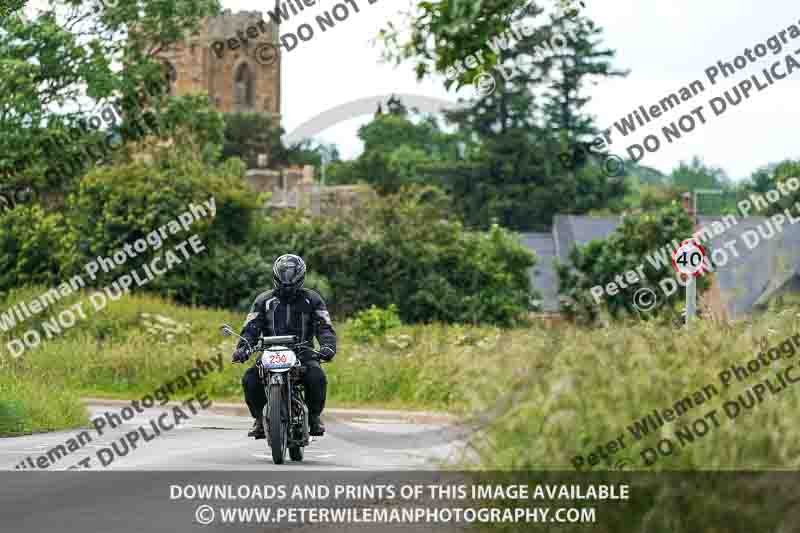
278, 425
296, 453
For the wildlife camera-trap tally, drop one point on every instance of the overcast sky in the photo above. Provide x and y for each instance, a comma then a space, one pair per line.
665, 44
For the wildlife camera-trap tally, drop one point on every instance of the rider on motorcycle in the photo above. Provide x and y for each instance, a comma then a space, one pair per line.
289, 309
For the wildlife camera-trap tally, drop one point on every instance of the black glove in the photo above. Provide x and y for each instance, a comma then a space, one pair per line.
240, 356
306, 354
326, 353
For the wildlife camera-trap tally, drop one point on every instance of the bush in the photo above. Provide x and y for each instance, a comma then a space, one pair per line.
598, 262
779, 176
374, 323
402, 250
31, 244
118, 206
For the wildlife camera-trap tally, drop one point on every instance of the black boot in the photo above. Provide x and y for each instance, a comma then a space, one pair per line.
258, 429
316, 429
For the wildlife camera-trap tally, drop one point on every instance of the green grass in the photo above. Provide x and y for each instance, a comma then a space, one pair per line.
546, 395
116, 354
29, 406
136, 344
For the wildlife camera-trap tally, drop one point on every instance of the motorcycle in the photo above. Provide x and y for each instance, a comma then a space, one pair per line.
285, 415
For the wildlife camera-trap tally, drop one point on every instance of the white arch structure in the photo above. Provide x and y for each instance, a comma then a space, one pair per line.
364, 106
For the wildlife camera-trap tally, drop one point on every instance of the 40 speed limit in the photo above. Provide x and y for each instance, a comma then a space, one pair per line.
689, 258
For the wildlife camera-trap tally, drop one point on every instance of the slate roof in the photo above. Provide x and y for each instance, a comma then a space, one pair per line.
569, 230
756, 275
745, 282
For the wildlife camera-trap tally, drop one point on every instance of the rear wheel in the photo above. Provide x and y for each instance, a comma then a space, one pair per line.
277, 424
296, 453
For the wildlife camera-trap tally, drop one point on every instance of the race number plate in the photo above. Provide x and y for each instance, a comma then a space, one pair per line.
276, 359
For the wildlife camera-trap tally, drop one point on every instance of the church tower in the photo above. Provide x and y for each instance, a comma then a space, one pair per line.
235, 59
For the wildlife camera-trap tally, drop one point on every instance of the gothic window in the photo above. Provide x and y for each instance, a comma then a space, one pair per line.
243, 87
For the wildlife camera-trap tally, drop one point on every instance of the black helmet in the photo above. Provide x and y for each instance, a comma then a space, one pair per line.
288, 275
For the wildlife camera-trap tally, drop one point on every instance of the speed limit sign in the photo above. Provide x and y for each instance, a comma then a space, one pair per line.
689, 258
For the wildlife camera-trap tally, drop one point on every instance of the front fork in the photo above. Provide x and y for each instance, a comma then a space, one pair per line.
284, 380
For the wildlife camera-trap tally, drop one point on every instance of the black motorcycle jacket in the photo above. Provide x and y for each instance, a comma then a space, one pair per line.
306, 316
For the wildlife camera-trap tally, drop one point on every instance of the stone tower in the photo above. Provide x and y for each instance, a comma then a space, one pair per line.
235, 59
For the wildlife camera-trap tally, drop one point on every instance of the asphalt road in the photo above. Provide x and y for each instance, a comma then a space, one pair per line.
213, 441
135, 492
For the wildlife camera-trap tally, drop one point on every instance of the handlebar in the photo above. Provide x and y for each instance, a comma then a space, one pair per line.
278, 339
265, 342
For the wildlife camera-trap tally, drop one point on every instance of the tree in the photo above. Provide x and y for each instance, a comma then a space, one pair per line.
510, 172
518, 135
507, 155
578, 62
600, 261
64, 66
308, 152
398, 147
405, 249
342, 173
778, 177
249, 134
760, 180
387, 131
698, 175
645, 174
763, 179
440, 32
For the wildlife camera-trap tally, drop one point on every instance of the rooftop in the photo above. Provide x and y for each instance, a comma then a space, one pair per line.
745, 282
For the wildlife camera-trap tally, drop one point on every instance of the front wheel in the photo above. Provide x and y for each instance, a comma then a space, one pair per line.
278, 426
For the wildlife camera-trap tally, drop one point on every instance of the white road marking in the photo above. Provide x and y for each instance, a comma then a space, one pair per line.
378, 421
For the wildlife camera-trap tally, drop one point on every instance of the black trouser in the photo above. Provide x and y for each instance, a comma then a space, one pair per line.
314, 382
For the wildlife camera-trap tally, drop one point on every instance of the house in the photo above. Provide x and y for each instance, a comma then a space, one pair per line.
745, 284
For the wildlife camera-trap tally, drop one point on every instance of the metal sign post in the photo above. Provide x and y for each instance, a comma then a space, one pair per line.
691, 287
691, 300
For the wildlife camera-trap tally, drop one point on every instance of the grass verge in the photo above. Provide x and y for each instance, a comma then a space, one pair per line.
28, 406
542, 397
